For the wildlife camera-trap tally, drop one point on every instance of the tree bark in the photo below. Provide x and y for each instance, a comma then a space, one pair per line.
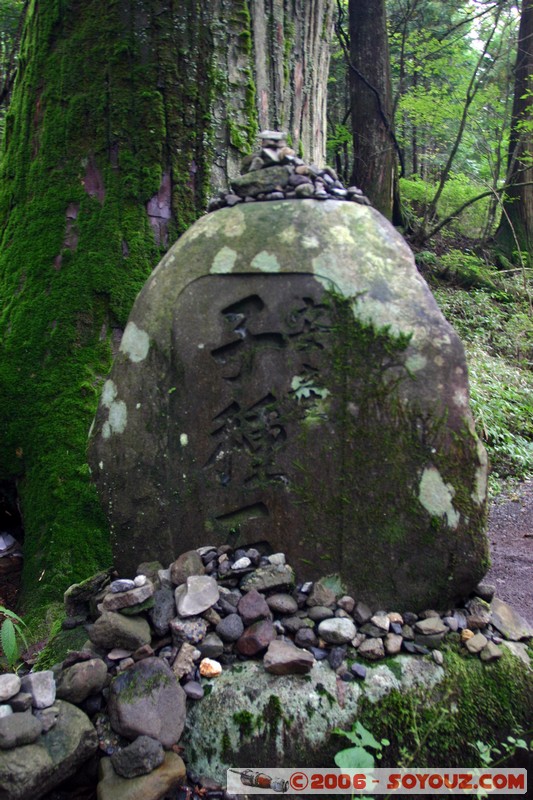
516, 227
125, 117
371, 95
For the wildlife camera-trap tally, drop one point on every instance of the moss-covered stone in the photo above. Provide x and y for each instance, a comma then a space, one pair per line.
299, 385
427, 713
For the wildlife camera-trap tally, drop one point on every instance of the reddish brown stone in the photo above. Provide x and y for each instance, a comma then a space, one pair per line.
253, 606
256, 638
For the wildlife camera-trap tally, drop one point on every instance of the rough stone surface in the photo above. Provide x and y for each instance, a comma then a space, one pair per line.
147, 699
198, 594
115, 630
230, 628
256, 638
188, 630
371, 649
509, 622
9, 686
265, 579
18, 729
132, 597
184, 661
430, 626
282, 603
153, 786
77, 597
476, 643
47, 717
80, 680
413, 482
282, 705
265, 180
491, 652
139, 758
164, 610
337, 630
34, 770
253, 606
212, 646
186, 565
41, 686
283, 658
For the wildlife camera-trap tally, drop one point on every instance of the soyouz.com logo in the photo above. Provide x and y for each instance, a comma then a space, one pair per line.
378, 781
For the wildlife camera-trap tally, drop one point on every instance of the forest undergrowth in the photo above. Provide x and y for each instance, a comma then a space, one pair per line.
490, 308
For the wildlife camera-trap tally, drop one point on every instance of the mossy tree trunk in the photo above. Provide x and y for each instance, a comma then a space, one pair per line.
126, 115
516, 227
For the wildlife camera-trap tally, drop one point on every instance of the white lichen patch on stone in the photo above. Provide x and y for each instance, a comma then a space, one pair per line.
118, 416
415, 362
437, 497
118, 412
288, 235
184, 439
135, 343
208, 226
460, 398
266, 262
109, 393
480, 486
224, 261
235, 224
380, 682
342, 234
310, 242
439, 361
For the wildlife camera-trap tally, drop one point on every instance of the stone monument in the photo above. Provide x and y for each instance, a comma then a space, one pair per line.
286, 379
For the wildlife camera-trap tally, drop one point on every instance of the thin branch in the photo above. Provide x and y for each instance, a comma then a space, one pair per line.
468, 203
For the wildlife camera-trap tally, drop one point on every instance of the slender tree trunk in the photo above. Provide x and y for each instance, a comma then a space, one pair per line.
126, 115
516, 226
371, 96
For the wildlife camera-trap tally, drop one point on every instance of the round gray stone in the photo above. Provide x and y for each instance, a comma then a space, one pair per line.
337, 630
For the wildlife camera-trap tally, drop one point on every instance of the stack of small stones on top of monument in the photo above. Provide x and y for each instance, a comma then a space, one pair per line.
275, 172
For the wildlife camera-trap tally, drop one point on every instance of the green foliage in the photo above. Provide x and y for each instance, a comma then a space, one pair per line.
498, 338
366, 749
11, 634
417, 193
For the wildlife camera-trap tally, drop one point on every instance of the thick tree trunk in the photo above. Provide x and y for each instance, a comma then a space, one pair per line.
516, 226
374, 153
126, 116
292, 48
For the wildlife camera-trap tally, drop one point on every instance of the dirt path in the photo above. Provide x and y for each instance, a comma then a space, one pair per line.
511, 544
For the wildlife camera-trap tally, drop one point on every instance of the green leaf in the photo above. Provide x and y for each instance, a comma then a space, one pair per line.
366, 738
354, 758
8, 613
8, 640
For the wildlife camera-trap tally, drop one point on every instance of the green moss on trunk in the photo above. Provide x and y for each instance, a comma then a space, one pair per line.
111, 97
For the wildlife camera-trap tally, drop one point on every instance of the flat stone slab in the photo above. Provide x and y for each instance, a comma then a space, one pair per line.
509, 622
158, 783
286, 376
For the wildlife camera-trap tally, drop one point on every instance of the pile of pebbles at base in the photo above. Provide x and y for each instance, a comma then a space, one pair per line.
215, 606
210, 608
275, 172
